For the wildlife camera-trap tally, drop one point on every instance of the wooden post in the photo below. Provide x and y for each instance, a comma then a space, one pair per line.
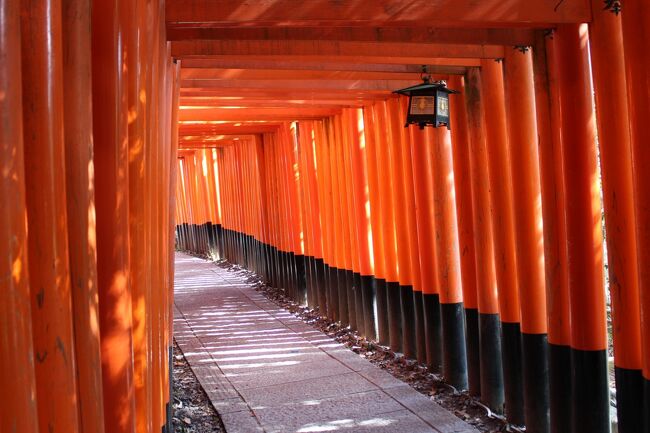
636, 30
528, 226
112, 189
42, 78
492, 392
81, 208
462, 177
17, 379
503, 230
584, 234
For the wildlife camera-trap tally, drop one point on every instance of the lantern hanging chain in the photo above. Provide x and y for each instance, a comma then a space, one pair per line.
425, 75
613, 6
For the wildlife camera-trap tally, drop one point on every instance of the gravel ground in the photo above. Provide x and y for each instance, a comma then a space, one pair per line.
193, 412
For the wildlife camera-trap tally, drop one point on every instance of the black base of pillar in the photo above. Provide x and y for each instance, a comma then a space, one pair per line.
369, 307
321, 292
394, 315
453, 342
433, 331
301, 279
382, 311
333, 291
358, 303
343, 297
408, 322
535, 356
646, 405
590, 383
492, 392
512, 372
629, 400
351, 299
473, 351
420, 337
559, 371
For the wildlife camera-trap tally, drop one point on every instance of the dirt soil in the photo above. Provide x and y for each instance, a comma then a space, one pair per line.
193, 412
468, 408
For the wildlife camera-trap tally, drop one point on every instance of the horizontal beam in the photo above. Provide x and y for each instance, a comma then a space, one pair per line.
226, 114
228, 129
349, 13
373, 86
516, 36
273, 74
338, 63
234, 95
269, 103
185, 49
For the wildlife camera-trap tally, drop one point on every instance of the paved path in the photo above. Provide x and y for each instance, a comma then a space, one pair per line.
265, 370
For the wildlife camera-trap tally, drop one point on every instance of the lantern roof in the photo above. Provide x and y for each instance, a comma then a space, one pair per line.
426, 85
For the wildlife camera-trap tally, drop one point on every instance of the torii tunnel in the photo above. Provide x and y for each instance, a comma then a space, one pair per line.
508, 252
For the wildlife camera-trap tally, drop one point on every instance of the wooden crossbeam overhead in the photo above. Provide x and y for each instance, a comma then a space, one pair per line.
225, 114
315, 13
203, 48
269, 103
509, 36
233, 97
376, 86
338, 63
231, 128
270, 74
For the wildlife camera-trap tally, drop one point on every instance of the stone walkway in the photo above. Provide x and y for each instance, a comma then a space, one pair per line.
265, 370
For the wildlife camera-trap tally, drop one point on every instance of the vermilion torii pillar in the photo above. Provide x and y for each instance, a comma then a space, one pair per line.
43, 110
528, 231
590, 399
607, 61
17, 371
636, 31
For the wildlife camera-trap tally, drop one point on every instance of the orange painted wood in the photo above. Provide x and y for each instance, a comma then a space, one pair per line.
607, 60
552, 190
526, 188
352, 252
583, 206
424, 211
385, 180
360, 191
78, 127
445, 13
303, 87
636, 22
437, 66
409, 197
396, 146
500, 190
111, 167
266, 47
17, 378
486, 286
279, 74
225, 114
49, 275
374, 193
446, 223
137, 59
501, 36
462, 176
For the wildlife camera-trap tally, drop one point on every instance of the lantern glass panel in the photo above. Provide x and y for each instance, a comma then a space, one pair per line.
443, 104
423, 105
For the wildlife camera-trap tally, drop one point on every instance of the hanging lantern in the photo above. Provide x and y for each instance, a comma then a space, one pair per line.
428, 103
